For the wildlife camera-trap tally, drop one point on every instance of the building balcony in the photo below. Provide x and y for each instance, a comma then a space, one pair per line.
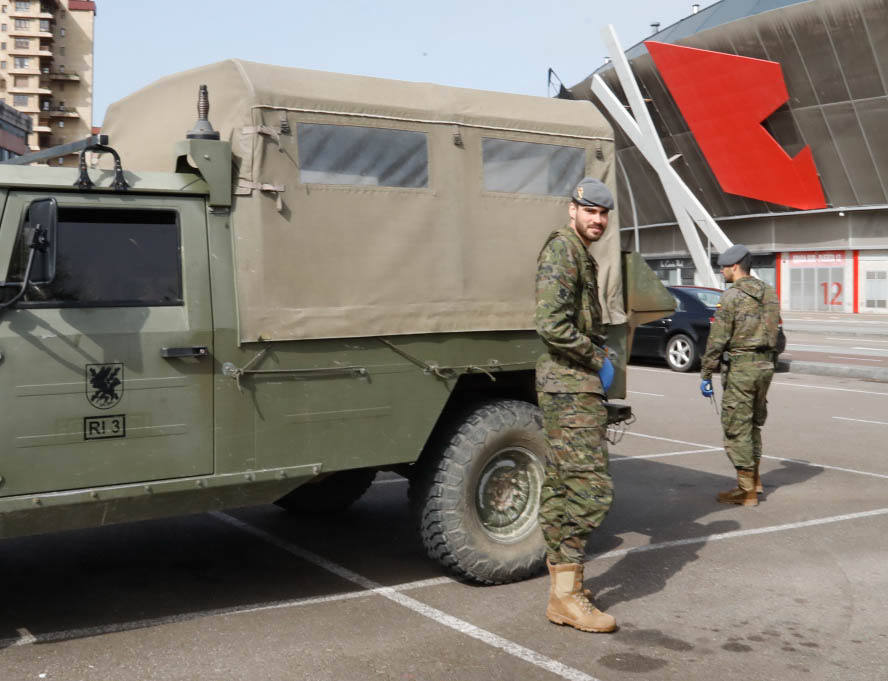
30, 71
62, 75
30, 33
59, 112
29, 90
41, 128
28, 52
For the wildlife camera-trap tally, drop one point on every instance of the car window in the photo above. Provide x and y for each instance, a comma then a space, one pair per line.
679, 306
707, 297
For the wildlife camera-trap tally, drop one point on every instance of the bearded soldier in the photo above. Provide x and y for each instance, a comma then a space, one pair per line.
571, 379
744, 337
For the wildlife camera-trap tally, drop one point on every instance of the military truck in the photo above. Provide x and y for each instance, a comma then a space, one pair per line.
335, 280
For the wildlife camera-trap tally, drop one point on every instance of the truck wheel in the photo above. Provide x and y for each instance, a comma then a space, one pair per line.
336, 492
477, 493
681, 353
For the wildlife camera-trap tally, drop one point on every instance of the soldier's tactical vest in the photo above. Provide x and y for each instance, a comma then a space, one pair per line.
556, 373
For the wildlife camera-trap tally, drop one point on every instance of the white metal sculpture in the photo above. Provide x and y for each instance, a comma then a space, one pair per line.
688, 210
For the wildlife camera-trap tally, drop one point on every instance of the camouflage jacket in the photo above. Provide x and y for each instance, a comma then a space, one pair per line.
568, 316
747, 321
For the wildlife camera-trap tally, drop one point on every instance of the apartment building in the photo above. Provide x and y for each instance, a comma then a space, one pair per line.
46, 68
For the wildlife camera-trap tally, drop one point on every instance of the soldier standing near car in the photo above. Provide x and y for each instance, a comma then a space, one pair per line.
571, 380
743, 339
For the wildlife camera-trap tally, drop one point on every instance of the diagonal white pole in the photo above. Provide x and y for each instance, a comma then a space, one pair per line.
688, 210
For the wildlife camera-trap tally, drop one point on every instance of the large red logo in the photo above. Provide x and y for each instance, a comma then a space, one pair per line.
724, 99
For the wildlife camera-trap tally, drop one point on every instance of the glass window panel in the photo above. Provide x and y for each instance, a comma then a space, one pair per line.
782, 127
104, 258
852, 147
746, 41
814, 131
873, 117
354, 155
531, 168
795, 289
817, 53
876, 288
780, 47
873, 14
852, 45
662, 107
650, 201
704, 185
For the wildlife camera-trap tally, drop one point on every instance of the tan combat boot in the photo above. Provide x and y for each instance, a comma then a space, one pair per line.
568, 603
758, 480
744, 494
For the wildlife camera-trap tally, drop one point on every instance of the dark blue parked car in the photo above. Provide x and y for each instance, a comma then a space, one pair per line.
681, 337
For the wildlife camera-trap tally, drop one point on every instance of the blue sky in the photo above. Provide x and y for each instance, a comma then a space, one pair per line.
504, 46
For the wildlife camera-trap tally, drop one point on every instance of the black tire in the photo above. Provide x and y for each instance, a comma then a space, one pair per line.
477, 491
681, 353
334, 493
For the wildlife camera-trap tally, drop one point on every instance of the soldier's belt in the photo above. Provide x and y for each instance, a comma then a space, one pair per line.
751, 356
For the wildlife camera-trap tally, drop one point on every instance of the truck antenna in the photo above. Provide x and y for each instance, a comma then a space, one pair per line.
202, 129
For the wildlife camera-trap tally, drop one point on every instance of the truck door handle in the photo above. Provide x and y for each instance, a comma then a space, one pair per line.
193, 351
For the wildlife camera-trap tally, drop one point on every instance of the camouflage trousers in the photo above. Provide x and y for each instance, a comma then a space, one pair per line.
745, 408
577, 491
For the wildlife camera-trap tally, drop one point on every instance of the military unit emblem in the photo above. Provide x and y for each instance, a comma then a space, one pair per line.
104, 384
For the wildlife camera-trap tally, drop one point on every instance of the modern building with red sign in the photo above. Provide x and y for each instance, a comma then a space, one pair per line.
775, 114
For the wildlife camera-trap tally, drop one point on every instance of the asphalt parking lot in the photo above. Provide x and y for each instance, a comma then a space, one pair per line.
797, 587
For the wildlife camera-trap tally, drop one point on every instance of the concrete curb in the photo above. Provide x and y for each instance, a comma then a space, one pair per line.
879, 374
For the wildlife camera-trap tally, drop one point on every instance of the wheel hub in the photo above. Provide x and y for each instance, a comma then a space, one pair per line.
507, 498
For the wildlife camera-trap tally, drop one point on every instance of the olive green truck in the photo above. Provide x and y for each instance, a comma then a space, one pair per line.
335, 280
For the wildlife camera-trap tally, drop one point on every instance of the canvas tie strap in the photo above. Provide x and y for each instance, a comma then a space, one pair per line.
245, 188
262, 130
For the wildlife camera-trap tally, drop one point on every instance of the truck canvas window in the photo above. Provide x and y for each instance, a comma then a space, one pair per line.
340, 154
529, 168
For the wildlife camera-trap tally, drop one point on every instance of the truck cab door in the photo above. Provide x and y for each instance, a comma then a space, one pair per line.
106, 369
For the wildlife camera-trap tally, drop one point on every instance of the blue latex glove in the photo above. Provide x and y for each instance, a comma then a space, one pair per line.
706, 388
606, 374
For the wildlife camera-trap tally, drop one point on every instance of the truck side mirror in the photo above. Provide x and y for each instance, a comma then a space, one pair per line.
43, 218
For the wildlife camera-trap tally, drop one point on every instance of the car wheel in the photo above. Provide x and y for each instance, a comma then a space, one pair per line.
681, 353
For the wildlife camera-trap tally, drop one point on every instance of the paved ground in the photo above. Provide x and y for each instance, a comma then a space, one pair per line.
795, 588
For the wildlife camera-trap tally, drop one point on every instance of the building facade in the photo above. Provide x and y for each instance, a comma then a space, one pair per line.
15, 127
46, 68
826, 253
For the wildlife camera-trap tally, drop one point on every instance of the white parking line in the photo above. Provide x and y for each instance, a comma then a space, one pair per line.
638, 392
845, 418
491, 639
742, 533
660, 456
827, 387
669, 439
713, 448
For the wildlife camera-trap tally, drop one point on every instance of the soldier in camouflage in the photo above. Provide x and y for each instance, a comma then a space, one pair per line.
743, 337
571, 379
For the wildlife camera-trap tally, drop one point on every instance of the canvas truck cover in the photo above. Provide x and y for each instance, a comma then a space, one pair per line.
366, 207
